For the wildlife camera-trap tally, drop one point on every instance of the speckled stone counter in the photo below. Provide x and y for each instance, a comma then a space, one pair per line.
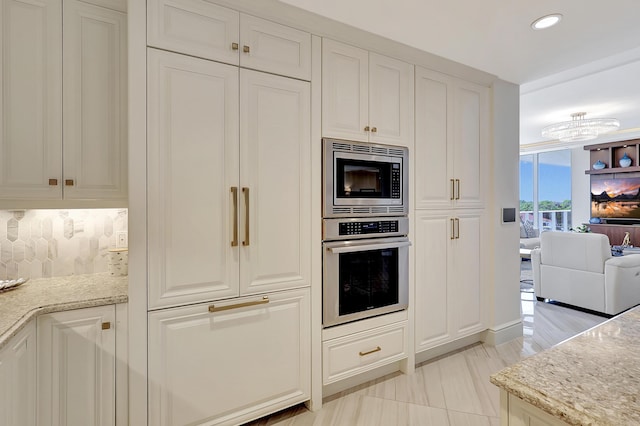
590, 379
45, 295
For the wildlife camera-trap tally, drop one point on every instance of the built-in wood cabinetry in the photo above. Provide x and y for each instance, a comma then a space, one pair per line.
611, 153
448, 288
214, 32
516, 412
18, 379
231, 361
78, 366
366, 96
451, 141
64, 101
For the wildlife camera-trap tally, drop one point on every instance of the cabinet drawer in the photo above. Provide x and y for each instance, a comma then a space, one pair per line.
351, 355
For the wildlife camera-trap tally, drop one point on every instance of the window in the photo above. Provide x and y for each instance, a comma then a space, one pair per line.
545, 190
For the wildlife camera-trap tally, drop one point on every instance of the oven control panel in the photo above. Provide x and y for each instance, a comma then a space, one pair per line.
347, 229
395, 180
377, 227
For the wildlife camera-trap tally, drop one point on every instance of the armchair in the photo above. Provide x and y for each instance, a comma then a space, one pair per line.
578, 269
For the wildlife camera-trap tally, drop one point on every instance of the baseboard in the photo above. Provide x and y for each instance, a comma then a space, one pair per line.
354, 381
503, 333
448, 348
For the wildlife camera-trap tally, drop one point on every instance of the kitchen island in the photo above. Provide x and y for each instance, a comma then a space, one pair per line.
590, 379
47, 295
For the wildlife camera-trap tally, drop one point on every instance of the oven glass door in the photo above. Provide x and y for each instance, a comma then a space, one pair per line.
364, 278
367, 280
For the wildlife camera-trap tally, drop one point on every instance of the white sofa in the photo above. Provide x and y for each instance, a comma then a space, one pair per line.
529, 240
578, 269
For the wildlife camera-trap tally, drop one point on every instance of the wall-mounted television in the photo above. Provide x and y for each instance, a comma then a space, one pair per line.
617, 198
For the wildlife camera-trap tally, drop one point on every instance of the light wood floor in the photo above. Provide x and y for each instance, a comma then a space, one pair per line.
453, 390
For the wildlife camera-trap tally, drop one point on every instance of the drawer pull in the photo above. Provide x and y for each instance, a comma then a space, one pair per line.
377, 349
106, 325
214, 308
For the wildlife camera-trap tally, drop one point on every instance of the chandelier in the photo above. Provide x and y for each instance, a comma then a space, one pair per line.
580, 128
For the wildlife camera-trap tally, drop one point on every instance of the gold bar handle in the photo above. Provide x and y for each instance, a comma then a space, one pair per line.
234, 195
366, 128
377, 349
106, 325
214, 308
453, 229
68, 182
234, 46
457, 228
374, 129
457, 189
245, 191
245, 49
453, 189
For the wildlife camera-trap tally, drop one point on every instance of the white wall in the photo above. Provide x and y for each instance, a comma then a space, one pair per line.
580, 187
505, 322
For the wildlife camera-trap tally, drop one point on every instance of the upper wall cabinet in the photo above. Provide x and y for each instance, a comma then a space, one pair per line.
214, 32
451, 141
365, 96
63, 115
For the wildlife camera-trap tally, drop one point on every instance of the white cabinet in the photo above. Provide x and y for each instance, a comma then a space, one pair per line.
365, 96
521, 413
451, 141
209, 31
63, 115
228, 194
94, 102
31, 99
77, 367
229, 362
449, 298
18, 379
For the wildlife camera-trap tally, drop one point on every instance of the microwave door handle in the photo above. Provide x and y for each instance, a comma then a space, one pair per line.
361, 247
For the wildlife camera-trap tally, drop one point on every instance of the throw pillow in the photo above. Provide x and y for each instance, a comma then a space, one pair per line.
528, 229
523, 232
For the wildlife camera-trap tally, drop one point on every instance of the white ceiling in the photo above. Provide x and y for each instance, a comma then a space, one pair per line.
589, 62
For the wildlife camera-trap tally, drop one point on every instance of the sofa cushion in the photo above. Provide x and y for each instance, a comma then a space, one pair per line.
586, 251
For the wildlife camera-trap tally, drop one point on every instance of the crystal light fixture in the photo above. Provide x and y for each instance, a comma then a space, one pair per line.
580, 128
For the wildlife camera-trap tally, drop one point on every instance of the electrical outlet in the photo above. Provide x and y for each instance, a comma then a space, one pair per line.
122, 239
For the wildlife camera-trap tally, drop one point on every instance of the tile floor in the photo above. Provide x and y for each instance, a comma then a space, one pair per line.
453, 390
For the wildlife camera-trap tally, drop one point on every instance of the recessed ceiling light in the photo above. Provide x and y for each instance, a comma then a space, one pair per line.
546, 21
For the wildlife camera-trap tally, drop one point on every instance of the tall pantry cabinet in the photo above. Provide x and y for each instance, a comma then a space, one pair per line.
228, 156
451, 171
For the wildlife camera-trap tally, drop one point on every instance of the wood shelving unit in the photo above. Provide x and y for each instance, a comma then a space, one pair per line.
611, 153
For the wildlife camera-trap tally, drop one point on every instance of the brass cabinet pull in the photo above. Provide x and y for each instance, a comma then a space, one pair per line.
457, 189
53, 182
234, 46
457, 228
68, 182
106, 325
214, 308
366, 128
245, 49
453, 229
374, 129
377, 349
453, 189
234, 194
245, 191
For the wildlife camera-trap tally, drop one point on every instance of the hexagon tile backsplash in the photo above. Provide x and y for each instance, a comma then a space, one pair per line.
55, 243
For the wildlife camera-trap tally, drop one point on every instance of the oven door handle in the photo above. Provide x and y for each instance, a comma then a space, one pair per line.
367, 247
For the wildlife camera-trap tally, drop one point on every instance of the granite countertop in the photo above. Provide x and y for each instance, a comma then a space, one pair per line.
45, 295
590, 379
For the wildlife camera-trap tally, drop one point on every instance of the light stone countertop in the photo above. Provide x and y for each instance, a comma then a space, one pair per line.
590, 379
46, 295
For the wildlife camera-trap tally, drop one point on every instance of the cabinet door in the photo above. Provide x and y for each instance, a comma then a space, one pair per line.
465, 282
76, 367
229, 366
275, 48
197, 28
94, 102
30, 113
470, 135
275, 179
433, 152
432, 238
192, 156
345, 86
18, 379
391, 97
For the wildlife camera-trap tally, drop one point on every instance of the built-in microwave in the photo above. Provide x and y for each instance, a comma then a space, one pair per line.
363, 179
